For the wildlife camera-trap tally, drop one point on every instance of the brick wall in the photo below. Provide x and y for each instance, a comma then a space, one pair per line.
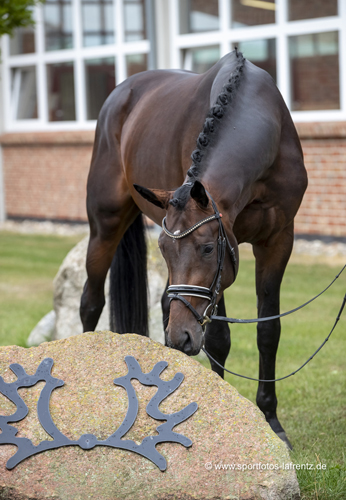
323, 210
45, 176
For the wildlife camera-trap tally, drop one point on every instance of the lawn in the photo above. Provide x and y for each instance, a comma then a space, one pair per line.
28, 264
312, 404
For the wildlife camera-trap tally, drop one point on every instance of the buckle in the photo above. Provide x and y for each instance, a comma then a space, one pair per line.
206, 320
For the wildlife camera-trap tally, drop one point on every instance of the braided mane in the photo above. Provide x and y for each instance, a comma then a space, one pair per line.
214, 117
210, 127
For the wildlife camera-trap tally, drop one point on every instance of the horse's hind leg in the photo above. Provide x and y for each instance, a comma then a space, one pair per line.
270, 266
106, 231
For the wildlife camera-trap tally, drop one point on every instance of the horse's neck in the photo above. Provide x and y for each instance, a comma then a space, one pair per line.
229, 187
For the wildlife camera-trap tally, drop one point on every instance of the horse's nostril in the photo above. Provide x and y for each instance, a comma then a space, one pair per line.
182, 341
187, 346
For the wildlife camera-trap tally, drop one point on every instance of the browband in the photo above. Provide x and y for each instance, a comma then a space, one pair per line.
190, 229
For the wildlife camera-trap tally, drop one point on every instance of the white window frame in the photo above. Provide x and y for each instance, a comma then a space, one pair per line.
78, 55
281, 31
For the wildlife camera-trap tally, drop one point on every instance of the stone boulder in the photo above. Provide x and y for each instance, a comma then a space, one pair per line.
64, 321
68, 287
234, 453
44, 330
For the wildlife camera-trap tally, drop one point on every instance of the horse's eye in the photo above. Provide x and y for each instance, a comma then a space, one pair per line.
207, 249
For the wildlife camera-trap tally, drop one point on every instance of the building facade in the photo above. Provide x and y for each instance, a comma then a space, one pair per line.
56, 76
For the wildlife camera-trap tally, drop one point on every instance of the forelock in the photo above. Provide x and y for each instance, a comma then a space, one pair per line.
181, 196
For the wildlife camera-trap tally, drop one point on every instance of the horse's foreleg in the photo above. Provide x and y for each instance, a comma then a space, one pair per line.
165, 307
218, 340
270, 266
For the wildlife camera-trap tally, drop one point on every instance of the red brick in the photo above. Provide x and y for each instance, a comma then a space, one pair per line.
45, 176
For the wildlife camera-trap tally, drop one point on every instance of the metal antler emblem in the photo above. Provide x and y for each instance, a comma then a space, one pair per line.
87, 441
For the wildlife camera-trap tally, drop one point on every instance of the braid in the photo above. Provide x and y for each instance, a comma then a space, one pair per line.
215, 115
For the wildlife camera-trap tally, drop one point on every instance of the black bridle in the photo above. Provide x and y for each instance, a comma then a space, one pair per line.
178, 292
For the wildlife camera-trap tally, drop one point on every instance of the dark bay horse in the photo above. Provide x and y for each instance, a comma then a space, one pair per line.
248, 165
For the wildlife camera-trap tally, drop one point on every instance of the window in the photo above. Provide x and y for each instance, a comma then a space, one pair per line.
23, 41
310, 9
252, 12
314, 64
58, 24
61, 96
24, 95
300, 43
100, 81
60, 73
199, 15
134, 20
260, 52
135, 63
201, 59
98, 25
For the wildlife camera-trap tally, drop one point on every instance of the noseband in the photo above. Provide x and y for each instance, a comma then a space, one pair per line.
178, 292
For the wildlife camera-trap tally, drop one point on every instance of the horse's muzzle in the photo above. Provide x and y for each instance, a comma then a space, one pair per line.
185, 340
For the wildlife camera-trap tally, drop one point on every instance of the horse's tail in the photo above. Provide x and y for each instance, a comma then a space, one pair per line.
128, 282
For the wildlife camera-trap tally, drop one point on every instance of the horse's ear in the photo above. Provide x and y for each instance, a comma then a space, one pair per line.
158, 197
199, 194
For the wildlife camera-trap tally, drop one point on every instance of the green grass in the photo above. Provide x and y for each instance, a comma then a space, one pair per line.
28, 264
312, 404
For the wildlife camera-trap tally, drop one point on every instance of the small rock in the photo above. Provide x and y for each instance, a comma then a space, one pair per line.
68, 288
43, 331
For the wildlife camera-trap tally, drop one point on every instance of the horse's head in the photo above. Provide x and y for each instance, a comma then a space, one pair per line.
200, 258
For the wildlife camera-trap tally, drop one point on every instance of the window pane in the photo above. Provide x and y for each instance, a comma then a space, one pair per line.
98, 22
252, 12
24, 96
260, 52
314, 62
61, 100
58, 24
309, 9
100, 81
23, 41
199, 15
200, 59
134, 13
135, 63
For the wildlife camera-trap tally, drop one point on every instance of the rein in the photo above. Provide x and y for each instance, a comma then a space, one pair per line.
268, 318
302, 366
178, 292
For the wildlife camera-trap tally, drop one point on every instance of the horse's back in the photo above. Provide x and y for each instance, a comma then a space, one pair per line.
148, 127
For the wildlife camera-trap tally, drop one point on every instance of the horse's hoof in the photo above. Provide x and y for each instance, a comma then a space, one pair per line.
284, 438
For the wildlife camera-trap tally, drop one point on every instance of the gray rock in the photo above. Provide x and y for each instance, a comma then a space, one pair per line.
43, 331
68, 288
234, 452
